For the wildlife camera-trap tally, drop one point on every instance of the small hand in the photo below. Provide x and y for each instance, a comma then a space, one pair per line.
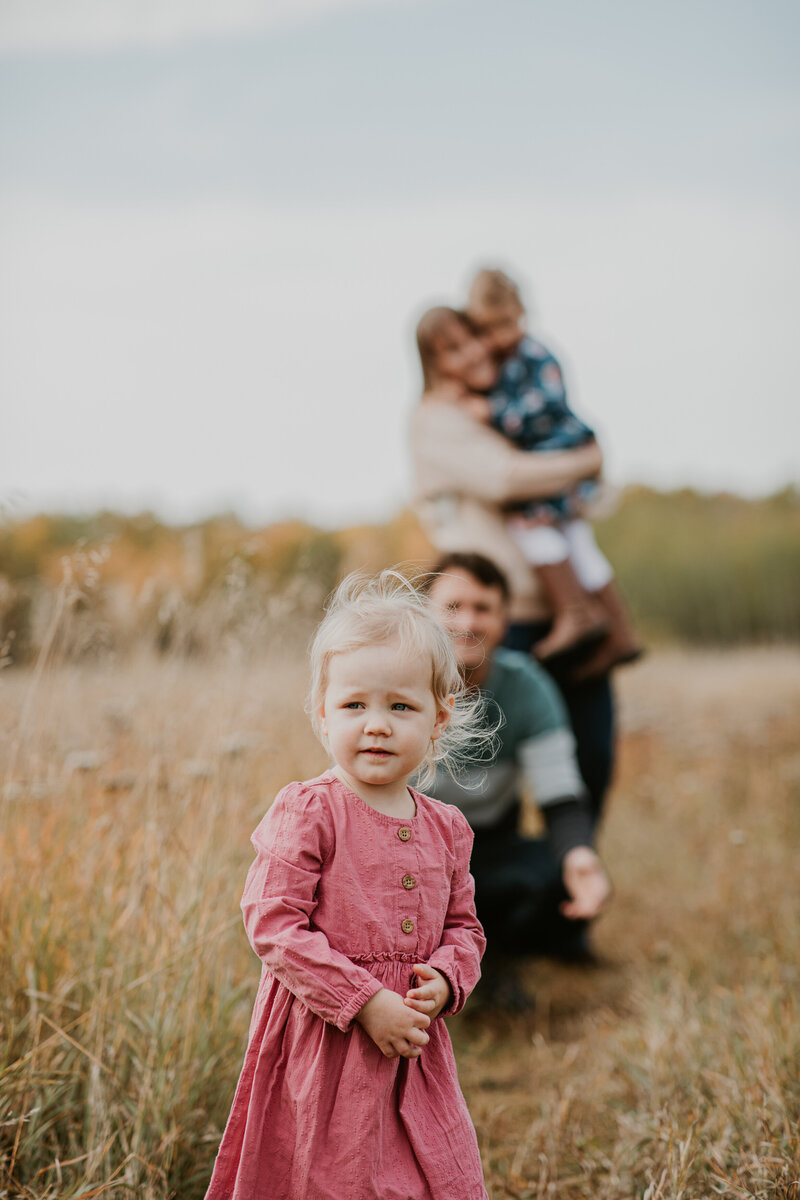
478, 407
576, 504
532, 520
587, 883
433, 994
394, 1029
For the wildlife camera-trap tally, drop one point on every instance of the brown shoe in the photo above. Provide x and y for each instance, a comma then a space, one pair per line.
578, 619
621, 644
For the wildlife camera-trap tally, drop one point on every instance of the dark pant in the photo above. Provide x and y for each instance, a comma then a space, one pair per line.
518, 887
518, 890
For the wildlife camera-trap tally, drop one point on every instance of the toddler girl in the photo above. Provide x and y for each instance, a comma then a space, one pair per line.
360, 905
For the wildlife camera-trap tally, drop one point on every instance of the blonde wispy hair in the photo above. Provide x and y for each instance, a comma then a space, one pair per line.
390, 608
493, 291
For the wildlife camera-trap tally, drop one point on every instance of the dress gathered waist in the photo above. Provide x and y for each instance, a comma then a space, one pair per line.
384, 956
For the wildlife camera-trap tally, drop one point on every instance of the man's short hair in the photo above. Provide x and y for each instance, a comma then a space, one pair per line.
476, 565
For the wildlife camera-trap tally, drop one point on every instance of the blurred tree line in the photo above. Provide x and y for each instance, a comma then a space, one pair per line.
697, 568
715, 569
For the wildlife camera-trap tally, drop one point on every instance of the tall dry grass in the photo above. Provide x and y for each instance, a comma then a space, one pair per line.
672, 1073
125, 986
126, 980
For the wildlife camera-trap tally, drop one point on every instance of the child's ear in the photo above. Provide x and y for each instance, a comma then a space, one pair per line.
443, 718
323, 724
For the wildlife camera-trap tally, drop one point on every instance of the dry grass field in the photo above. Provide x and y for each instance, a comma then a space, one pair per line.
130, 790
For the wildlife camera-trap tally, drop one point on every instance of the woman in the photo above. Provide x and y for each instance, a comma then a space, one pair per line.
465, 472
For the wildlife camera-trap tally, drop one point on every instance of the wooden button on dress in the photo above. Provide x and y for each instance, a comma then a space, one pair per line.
407, 926
409, 882
404, 833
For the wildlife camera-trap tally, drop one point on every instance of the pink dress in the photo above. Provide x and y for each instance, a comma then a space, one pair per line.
340, 902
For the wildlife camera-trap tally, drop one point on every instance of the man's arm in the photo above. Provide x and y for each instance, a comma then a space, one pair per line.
548, 763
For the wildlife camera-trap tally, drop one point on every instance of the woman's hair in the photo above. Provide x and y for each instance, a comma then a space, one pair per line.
389, 608
431, 324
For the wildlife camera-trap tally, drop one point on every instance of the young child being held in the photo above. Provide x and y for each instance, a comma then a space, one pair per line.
360, 905
529, 405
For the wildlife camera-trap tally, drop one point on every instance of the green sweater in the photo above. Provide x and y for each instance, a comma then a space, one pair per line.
535, 751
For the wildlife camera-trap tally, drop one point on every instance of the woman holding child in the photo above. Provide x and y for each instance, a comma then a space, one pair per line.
491, 396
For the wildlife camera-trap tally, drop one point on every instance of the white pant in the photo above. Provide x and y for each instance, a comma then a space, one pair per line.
573, 540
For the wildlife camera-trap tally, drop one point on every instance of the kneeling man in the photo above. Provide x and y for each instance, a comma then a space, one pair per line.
533, 895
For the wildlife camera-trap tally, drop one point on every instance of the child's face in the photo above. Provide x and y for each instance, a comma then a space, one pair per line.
379, 713
502, 329
463, 357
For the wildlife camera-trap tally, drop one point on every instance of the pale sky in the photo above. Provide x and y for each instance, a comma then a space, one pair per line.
219, 222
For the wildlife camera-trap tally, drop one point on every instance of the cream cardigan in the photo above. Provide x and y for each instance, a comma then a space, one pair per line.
465, 471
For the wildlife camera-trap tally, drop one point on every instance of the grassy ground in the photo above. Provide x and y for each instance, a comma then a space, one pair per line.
670, 1073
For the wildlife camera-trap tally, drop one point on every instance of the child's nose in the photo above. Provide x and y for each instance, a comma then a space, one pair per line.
377, 721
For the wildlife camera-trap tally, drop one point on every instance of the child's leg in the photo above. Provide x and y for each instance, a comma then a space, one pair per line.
577, 620
591, 565
541, 545
621, 644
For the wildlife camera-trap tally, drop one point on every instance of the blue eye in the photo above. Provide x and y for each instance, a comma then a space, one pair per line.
354, 704
402, 707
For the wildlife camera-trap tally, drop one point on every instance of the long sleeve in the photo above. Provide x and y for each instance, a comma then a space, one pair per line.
459, 953
455, 453
279, 899
544, 749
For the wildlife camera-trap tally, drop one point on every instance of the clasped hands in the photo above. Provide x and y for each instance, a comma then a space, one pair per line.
397, 1024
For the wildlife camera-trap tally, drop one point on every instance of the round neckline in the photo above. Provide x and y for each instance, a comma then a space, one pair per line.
385, 818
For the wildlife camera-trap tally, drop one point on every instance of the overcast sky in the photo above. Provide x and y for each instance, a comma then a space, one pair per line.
220, 219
